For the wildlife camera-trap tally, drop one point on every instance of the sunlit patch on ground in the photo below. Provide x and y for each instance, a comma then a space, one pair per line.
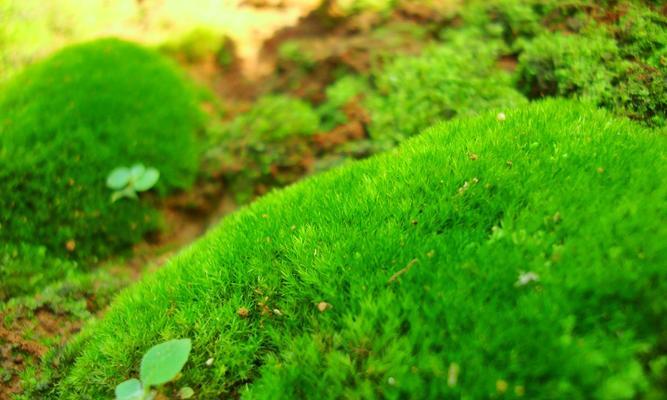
36, 28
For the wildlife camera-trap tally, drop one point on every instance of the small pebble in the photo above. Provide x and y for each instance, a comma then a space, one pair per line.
323, 306
526, 278
453, 374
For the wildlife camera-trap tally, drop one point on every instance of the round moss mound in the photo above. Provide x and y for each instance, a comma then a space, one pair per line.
67, 122
520, 257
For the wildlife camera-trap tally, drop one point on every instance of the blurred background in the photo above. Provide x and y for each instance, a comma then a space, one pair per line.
30, 29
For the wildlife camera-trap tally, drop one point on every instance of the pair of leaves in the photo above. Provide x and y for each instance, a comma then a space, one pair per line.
126, 182
138, 177
159, 365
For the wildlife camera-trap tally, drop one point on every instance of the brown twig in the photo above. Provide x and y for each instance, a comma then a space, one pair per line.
402, 270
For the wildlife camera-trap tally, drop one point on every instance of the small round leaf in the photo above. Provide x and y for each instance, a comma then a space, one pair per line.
137, 170
130, 390
147, 180
164, 361
118, 178
186, 392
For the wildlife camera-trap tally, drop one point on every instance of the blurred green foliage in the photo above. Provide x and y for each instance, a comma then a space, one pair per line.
67, 122
338, 95
642, 35
612, 53
555, 64
292, 52
275, 117
264, 146
25, 268
456, 78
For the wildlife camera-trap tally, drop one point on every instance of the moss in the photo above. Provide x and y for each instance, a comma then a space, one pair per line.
641, 94
53, 313
627, 75
293, 52
455, 79
555, 64
642, 34
24, 268
522, 257
66, 122
510, 20
276, 117
338, 94
612, 53
264, 146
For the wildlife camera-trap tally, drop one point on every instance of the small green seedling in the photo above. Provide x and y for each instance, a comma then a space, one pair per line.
161, 364
126, 182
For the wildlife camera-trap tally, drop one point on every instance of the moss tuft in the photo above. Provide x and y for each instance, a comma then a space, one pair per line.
486, 257
555, 64
67, 122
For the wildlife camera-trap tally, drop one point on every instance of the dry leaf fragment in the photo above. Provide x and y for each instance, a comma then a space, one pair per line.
402, 271
70, 245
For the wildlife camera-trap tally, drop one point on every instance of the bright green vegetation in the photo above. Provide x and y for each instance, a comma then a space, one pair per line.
593, 67
292, 52
275, 117
523, 257
67, 122
338, 95
555, 64
613, 54
270, 136
24, 268
458, 78
161, 364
